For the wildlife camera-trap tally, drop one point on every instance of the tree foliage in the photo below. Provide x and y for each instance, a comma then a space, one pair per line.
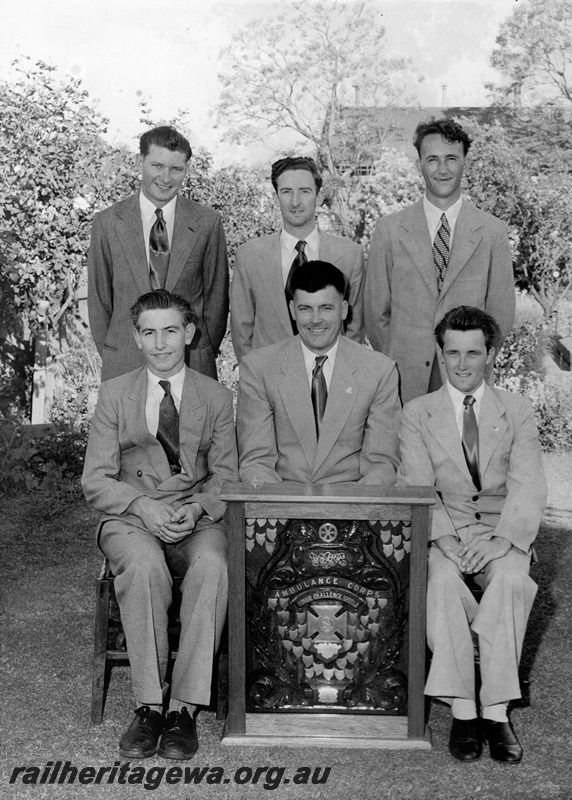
534, 51
294, 71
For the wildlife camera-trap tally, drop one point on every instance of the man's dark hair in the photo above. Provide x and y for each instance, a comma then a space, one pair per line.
165, 136
468, 318
316, 275
296, 162
450, 130
161, 300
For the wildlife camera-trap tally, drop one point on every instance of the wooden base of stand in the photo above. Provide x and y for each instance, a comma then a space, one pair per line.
327, 730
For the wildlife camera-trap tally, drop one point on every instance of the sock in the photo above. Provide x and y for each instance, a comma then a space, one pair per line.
497, 712
463, 708
179, 705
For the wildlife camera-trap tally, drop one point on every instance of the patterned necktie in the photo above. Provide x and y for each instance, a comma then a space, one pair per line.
441, 247
471, 440
158, 252
299, 259
319, 391
168, 428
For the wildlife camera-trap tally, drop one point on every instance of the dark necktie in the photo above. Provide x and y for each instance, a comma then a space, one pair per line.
319, 391
441, 247
471, 440
299, 259
168, 428
158, 252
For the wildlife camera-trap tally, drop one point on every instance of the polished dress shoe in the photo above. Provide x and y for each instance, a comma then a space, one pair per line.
503, 744
464, 741
141, 737
179, 738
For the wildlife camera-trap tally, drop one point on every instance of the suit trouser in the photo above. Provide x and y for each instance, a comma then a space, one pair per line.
143, 587
499, 620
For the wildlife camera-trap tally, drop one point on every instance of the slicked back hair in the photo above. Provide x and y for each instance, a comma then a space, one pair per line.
468, 318
161, 300
295, 162
316, 275
165, 136
450, 130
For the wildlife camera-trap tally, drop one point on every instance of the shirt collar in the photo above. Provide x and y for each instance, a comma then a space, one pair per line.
291, 241
176, 382
433, 214
148, 208
457, 397
310, 357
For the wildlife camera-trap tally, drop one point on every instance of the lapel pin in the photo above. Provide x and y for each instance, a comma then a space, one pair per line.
349, 390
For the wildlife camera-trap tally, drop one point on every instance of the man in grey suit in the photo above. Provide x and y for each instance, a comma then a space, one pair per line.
157, 239
318, 407
259, 293
437, 254
478, 446
162, 442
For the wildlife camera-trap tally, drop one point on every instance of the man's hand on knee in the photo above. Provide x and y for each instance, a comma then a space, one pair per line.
181, 523
451, 548
153, 513
476, 555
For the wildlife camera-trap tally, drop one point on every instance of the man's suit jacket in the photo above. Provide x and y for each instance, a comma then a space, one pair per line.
125, 461
259, 315
275, 420
401, 302
118, 274
513, 494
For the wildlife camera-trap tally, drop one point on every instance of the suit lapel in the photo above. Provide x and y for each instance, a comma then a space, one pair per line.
192, 417
492, 427
136, 422
416, 240
344, 389
269, 272
468, 234
185, 237
295, 393
328, 251
130, 233
442, 425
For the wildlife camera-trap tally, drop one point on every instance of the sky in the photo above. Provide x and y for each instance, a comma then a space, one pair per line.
167, 51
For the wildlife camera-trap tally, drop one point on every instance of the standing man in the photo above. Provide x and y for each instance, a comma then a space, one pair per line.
318, 407
478, 446
260, 291
437, 254
157, 239
161, 445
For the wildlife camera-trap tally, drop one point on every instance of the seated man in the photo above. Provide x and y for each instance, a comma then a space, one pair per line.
162, 442
318, 407
478, 446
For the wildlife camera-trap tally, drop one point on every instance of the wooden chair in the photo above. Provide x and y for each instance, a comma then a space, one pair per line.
110, 647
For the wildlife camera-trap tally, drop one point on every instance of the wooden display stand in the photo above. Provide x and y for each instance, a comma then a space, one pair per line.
327, 615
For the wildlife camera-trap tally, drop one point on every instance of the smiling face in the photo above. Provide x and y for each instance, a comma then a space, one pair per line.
319, 317
162, 336
442, 165
162, 174
466, 358
297, 198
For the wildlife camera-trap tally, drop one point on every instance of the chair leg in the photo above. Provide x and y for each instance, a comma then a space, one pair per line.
100, 649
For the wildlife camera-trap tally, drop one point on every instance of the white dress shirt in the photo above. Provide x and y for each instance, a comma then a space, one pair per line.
327, 367
457, 398
288, 249
148, 218
433, 216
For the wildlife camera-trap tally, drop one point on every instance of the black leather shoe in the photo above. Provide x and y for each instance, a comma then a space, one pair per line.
464, 741
141, 737
503, 744
179, 738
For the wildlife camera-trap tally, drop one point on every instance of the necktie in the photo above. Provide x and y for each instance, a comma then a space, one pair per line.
299, 259
441, 250
158, 252
471, 440
168, 428
319, 391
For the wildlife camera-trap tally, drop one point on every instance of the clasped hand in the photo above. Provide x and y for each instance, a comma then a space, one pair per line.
472, 558
165, 521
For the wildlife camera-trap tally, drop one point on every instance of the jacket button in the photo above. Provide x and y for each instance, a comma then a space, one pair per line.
475, 498
427, 363
139, 473
477, 515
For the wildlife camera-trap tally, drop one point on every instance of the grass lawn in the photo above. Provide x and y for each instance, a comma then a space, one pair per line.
48, 568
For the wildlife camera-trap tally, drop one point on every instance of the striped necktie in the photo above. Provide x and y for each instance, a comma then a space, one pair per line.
441, 247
